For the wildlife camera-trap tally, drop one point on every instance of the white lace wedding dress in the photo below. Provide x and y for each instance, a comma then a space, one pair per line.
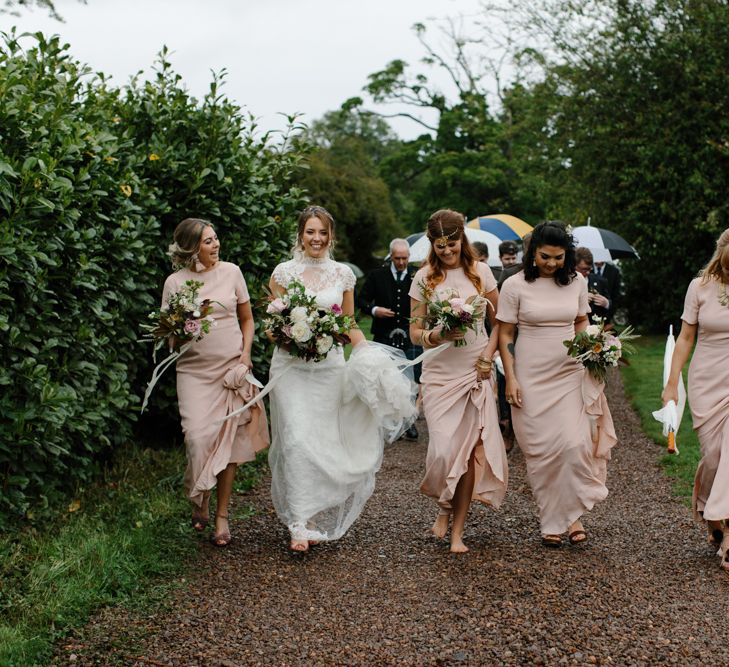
329, 418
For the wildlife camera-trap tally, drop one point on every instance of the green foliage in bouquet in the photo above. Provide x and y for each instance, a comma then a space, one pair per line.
93, 180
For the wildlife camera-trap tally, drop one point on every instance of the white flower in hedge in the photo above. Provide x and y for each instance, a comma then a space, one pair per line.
300, 332
298, 314
324, 344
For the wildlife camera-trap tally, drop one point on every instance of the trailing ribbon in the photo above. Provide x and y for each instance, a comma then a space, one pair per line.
163, 365
159, 369
272, 383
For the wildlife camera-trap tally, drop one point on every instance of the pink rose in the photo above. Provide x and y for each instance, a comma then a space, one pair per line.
192, 327
457, 304
337, 309
276, 306
614, 341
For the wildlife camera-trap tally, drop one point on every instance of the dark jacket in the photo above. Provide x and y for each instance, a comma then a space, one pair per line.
611, 274
381, 289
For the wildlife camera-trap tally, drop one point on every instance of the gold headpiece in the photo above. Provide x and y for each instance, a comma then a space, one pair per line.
442, 241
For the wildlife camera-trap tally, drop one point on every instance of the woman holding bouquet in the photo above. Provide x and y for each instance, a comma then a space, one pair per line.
706, 312
327, 440
549, 389
211, 376
466, 460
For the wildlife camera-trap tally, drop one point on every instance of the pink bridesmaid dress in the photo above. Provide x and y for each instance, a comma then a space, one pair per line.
210, 384
708, 394
459, 409
565, 468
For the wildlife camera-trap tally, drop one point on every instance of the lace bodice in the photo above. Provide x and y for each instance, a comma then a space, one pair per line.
325, 278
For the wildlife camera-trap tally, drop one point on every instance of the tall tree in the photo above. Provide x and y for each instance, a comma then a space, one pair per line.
635, 130
342, 175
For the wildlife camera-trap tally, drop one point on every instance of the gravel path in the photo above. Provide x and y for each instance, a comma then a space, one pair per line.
645, 590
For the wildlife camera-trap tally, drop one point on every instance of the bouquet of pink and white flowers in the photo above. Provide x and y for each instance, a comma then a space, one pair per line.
308, 330
453, 312
598, 349
183, 319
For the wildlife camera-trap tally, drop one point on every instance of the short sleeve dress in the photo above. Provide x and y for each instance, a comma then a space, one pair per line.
567, 470
459, 409
211, 383
708, 393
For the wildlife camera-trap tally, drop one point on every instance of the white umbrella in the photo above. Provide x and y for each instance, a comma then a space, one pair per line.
419, 249
670, 415
604, 244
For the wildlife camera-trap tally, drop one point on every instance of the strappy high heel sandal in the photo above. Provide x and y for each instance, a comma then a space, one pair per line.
224, 538
200, 521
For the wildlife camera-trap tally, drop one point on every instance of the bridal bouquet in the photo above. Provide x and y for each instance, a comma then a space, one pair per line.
598, 349
453, 312
183, 319
308, 330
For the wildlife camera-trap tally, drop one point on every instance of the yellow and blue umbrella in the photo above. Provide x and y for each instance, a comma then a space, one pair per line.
506, 227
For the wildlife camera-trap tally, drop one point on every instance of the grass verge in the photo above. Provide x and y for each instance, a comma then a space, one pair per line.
643, 385
123, 540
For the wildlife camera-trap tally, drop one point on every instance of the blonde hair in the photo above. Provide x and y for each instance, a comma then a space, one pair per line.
187, 237
721, 255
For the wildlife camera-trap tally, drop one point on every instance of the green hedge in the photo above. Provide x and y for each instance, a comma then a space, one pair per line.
93, 179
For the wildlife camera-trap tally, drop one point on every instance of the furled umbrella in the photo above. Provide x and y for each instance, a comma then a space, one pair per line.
604, 244
670, 415
506, 227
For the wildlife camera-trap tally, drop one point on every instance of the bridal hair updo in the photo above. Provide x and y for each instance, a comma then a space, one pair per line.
720, 257
315, 212
187, 236
450, 224
554, 233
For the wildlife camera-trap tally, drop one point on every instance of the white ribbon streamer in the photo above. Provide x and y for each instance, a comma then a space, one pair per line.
272, 383
159, 369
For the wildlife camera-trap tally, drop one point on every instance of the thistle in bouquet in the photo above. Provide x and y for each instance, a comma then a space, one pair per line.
598, 349
300, 325
185, 318
454, 313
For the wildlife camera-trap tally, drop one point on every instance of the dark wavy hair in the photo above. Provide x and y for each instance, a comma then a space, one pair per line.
551, 232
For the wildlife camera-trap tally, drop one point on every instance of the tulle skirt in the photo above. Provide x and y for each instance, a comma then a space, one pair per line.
329, 422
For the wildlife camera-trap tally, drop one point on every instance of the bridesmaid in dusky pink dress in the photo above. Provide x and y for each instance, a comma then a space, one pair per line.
211, 376
706, 312
466, 459
551, 392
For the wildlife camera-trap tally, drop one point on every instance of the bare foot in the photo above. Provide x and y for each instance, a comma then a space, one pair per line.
299, 545
457, 546
716, 532
440, 527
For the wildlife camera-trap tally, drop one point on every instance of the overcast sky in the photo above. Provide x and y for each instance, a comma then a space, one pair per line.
281, 55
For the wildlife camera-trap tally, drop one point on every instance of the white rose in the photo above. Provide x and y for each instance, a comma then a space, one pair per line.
300, 332
196, 313
468, 308
324, 344
592, 330
298, 314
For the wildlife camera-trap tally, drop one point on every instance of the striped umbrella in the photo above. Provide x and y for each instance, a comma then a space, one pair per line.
604, 244
505, 226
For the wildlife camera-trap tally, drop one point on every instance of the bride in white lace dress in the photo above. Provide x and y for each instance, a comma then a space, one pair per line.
329, 418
